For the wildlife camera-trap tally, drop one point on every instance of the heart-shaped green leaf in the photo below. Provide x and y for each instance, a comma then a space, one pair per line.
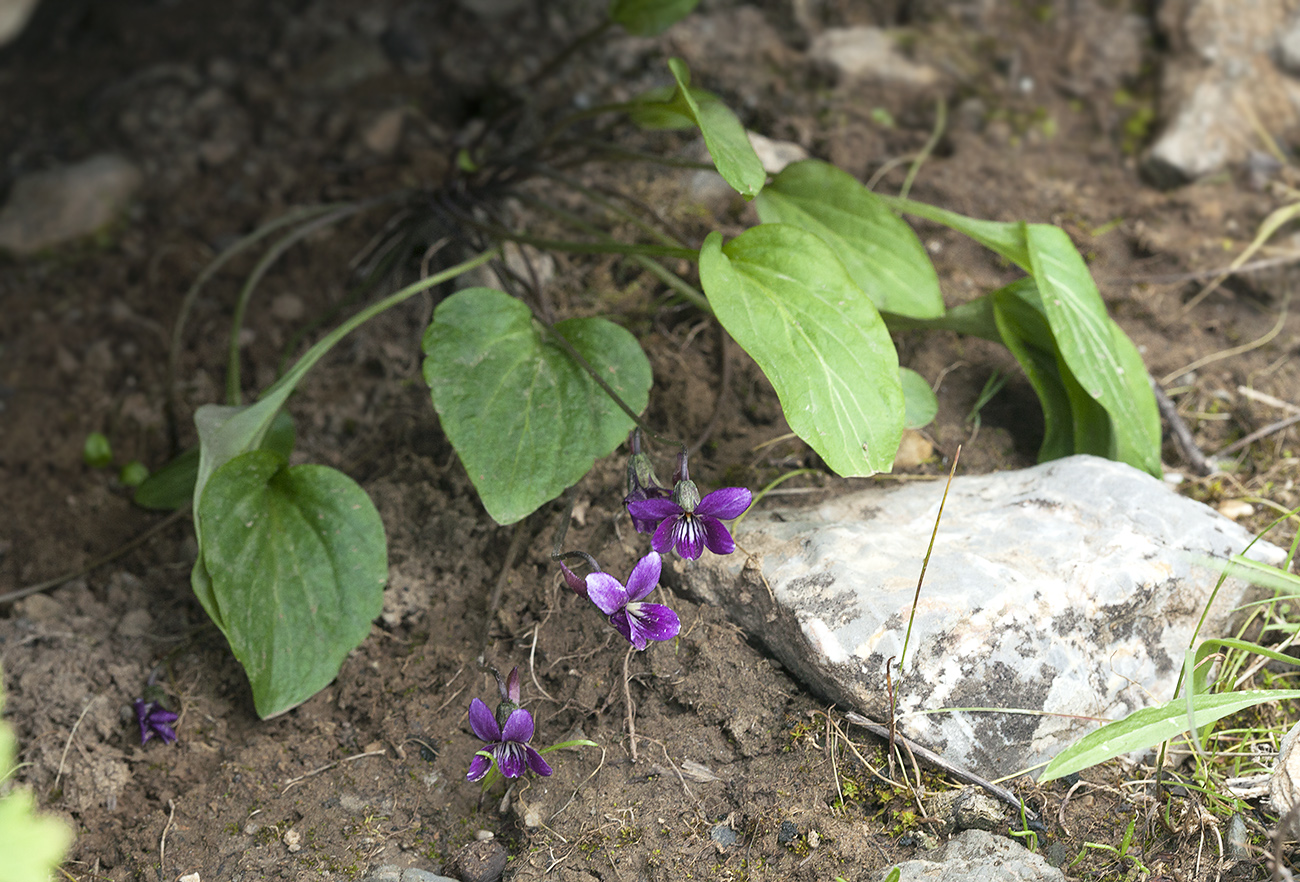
919, 404
645, 18
788, 301
724, 136
297, 564
525, 418
879, 250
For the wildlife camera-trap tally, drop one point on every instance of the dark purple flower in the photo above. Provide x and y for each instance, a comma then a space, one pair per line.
506, 735
690, 524
638, 622
154, 720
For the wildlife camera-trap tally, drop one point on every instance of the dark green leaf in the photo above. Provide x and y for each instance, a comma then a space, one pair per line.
646, 18
879, 250
526, 420
787, 300
1025, 332
1005, 239
172, 486
298, 563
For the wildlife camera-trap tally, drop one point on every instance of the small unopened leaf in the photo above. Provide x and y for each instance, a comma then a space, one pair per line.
297, 562
879, 250
784, 296
1150, 726
724, 136
920, 405
645, 18
525, 418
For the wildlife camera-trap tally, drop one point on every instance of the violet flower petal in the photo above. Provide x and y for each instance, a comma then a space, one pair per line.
653, 509
663, 539
478, 767
654, 621
483, 723
645, 576
725, 503
688, 537
536, 763
716, 537
623, 625
606, 592
519, 726
510, 759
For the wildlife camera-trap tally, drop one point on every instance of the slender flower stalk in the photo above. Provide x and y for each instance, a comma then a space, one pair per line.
506, 735
642, 483
639, 622
688, 524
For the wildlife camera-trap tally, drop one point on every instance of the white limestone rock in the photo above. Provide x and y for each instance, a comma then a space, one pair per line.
977, 856
867, 53
1070, 588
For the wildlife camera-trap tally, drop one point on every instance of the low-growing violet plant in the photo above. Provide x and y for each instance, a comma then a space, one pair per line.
292, 560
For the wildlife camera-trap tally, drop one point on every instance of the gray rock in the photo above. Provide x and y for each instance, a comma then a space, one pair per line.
867, 53
1220, 83
480, 862
970, 808
1070, 588
394, 873
49, 208
978, 856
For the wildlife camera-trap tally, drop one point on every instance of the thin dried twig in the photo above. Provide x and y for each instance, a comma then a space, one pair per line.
293, 782
162, 840
631, 709
1182, 435
72, 735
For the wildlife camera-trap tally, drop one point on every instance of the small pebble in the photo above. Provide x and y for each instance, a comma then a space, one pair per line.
813, 839
787, 834
293, 840
723, 835
1236, 508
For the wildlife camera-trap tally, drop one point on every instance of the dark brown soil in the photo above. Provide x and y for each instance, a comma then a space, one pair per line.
371, 770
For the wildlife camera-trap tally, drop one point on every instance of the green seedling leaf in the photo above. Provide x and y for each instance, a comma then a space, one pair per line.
879, 250
664, 108
32, 845
97, 452
1150, 726
133, 474
646, 18
298, 563
919, 404
724, 136
172, 486
783, 295
525, 418
1103, 361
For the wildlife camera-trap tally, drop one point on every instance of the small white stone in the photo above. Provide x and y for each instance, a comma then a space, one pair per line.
1236, 508
292, 840
189, 877
775, 155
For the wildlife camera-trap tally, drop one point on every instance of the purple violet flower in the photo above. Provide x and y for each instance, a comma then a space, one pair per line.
154, 720
688, 523
506, 735
638, 622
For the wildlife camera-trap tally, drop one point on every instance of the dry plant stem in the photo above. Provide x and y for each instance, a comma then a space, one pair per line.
631, 709
162, 840
1270, 429
516, 544
1177, 278
933, 760
1236, 350
20, 593
1182, 435
68, 743
293, 782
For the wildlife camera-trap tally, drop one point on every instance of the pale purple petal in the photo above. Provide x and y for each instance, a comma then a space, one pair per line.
662, 541
725, 503
519, 726
536, 763
623, 626
478, 767
606, 592
688, 537
653, 509
483, 723
165, 732
716, 537
645, 576
654, 621
510, 759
